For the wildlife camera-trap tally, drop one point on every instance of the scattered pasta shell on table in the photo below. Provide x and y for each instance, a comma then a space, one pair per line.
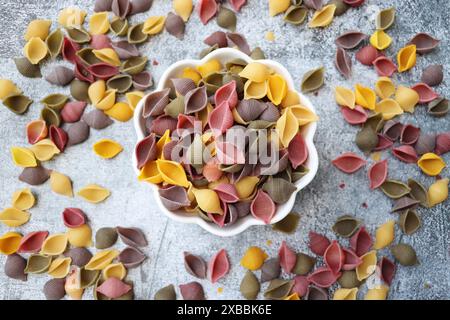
368, 265
27, 69
23, 157
8, 88
61, 184
183, 8
384, 235
32, 242
55, 244
55, 42
10, 242
431, 164
389, 108
313, 80
45, 150
107, 148
365, 97
345, 97
23, 199
323, 17
99, 23
253, 258
295, 14
80, 237
120, 111
107, 55
438, 192
72, 16
278, 6
17, 103
59, 268
380, 40
115, 270
385, 18
35, 50
101, 259
407, 98
406, 58
38, 263
37, 28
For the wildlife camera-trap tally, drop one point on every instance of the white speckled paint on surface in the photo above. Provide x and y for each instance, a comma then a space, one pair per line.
298, 49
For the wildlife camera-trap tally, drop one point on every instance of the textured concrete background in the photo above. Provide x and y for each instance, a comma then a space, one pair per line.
130, 204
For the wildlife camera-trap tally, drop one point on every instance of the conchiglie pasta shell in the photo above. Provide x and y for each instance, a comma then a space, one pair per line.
255, 90
438, 192
61, 184
407, 98
121, 111
277, 89
37, 28
345, 294
97, 91
323, 17
23, 199
384, 235
99, 23
389, 108
149, 173
45, 150
133, 98
71, 17
431, 164
278, 6
210, 67
378, 293
23, 157
183, 8
107, 148
207, 200
116, 270
107, 55
55, 244
255, 72
80, 237
291, 99
54, 43
101, 259
365, 97
8, 88
93, 193
345, 97
406, 58
245, 187
368, 265
303, 114
108, 100
119, 26
154, 25
172, 173
13, 217
287, 127
59, 268
385, 88
380, 40
10, 242
35, 50
191, 73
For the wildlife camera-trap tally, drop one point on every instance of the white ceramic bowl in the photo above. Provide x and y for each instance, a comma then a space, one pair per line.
308, 132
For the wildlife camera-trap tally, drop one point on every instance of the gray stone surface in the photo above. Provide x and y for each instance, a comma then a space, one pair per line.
130, 204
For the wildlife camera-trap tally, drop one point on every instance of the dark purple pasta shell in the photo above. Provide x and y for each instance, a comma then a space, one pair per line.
195, 100
174, 197
424, 42
121, 8
125, 50
195, 265
131, 257
35, 175
350, 39
433, 75
97, 119
155, 103
77, 133
146, 151
183, 85
343, 63
238, 40
133, 237
139, 6
409, 134
192, 291
405, 153
443, 143
218, 38
175, 25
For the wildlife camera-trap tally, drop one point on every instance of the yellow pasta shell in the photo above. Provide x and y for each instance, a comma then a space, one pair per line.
303, 114
38, 28
107, 55
61, 184
23, 157
101, 259
45, 150
8, 88
368, 265
209, 67
55, 244
13, 217
149, 173
10, 242
107, 148
407, 98
253, 258
172, 172
406, 58
378, 293
277, 89
291, 99
255, 90
365, 97
246, 186
345, 97
384, 235
99, 23
154, 25
213, 184
115, 270
97, 91
384, 87
438, 192
278, 6
207, 200
345, 294
80, 237
183, 8
431, 164
108, 100
287, 127
191, 73
389, 108
380, 40
94, 193
323, 17
23, 199
120, 111
255, 72
71, 17
133, 98
72, 285
60, 267
293, 296
35, 50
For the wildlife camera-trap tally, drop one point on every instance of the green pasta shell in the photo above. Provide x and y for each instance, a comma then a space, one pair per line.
121, 82
27, 69
404, 254
212, 82
296, 14
349, 280
79, 90
385, 18
278, 289
438, 107
134, 65
346, 226
279, 189
260, 124
235, 65
119, 27
341, 7
78, 35
55, 42
409, 222
366, 139
207, 51
88, 278
175, 107
38, 263
17, 103
166, 293
55, 101
299, 173
286, 174
228, 77
375, 122
257, 54
304, 264
227, 19
313, 80
135, 34
87, 56
50, 116
105, 238
289, 224
395, 189
250, 286
418, 192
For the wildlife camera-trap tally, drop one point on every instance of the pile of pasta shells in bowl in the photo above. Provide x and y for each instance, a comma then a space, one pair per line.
226, 142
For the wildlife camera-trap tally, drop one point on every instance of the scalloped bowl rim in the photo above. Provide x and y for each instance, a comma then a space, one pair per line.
223, 55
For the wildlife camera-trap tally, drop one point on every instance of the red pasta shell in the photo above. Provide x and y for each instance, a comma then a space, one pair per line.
384, 66
318, 243
442, 143
218, 266
367, 55
334, 257
82, 73
32, 242
410, 134
378, 173
387, 270
207, 9
351, 260
262, 207
73, 217
383, 143
297, 151
103, 71
227, 192
227, 93
426, 94
237, 4
100, 41
405, 153
36, 131
69, 50
221, 119
323, 277
349, 162
354, 116
59, 137
288, 257
354, 3
73, 111
301, 285
361, 242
